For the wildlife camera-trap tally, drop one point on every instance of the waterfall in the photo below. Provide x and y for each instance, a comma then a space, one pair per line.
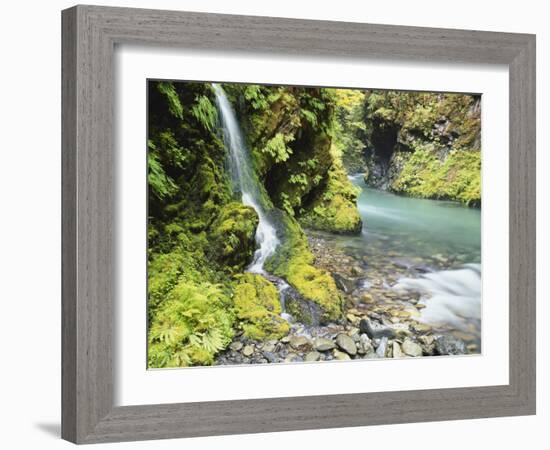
245, 181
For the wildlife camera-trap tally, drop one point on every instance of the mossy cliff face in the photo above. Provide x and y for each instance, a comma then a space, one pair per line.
424, 144
291, 134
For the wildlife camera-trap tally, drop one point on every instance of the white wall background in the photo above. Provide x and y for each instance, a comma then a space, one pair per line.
30, 227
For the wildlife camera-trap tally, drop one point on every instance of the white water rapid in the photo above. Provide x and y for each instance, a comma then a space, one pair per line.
244, 179
451, 296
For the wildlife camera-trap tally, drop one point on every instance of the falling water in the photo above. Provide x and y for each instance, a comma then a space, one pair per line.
244, 179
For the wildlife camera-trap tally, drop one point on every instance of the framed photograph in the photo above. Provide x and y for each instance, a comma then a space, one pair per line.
277, 224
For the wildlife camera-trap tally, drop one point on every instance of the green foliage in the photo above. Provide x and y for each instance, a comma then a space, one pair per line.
161, 184
437, 139
191, 325
335, 207
349, 128
277, 147
458, 176
258, 308
174, 105
205, 112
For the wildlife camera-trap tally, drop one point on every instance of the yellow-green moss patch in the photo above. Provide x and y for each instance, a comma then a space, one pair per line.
258, 308
294, 262
232, 236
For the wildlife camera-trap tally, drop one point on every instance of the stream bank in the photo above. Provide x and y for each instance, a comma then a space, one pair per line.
411, 283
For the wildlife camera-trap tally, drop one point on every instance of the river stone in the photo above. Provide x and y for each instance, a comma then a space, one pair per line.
421, 328
411, 348
292, 357
312, 356
367, 298
352, 318
270, 357
381, 349
346, 343
323, 344
340, 356
299, 342
248, 350
269, 347
365, 345
397, 352
344, 284
449, 345
236, 346
375, 330
426, 339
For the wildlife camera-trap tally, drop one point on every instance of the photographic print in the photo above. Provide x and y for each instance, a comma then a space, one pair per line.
290, 224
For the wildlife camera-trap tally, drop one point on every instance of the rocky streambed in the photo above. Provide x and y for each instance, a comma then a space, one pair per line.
380, 322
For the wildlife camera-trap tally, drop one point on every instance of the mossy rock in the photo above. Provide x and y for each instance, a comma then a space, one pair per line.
231, 237
258, 308
293, 261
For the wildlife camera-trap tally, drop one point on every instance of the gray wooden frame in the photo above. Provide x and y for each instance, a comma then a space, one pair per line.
89, 36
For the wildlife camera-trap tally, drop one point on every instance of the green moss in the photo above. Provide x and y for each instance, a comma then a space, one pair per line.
457, 177
294, 262
335, 206
258, 308
231, 236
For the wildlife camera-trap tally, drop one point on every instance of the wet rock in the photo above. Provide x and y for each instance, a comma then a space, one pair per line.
270, 357
421, 328
269, 346
340, 356
323, 344
299, 342
248, 350
352, 318
411, 348
381, 349
346, 285
292, 357
426, 339
423, 268
236, 346
285, 339
356, 271
365, 345
304, 311
367, 298
346, 343
312, 356
449, 345
374, 330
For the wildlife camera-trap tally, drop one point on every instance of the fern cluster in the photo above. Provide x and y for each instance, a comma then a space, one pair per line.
191, 325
